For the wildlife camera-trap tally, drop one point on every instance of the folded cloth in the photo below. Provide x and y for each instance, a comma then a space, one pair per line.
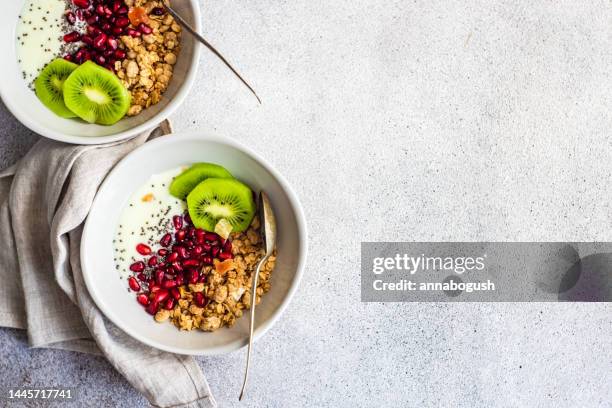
44, 200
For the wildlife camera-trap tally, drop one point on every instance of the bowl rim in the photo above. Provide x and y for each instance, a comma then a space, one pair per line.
170, 108
301, 232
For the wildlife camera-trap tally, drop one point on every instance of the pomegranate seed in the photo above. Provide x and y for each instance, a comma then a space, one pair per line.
160, 295
169, 305
152, 308
143, 249
116, 6
207, 260
87, 39
211, 237
224, 255
145, 29
123, 10
143, 299
206, 248
137, 266
69, 57
117, 30
85, 14
191, 262
100, 60
105, 27
93, 19
122, 22
187, 218
132, 33
177, 220
215, 251
142, 277
182, 252
176, 265
158, 11
100, 10
112, 43
162, 252
108, 12
93, 31
179, 280
199, 299
159, 276
81, 3
99, 41
199, 236
172, 257
134, 285
202, 279
108, 53
197, 250
165, 241
72, 37
227, 246
169, 284
152, 261
154, 287
180, 235
120, 54
70, 17
193, 276
79, 14
175, 293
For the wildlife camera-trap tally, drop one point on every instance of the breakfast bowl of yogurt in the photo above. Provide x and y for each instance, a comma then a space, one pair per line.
95, 71
173, 238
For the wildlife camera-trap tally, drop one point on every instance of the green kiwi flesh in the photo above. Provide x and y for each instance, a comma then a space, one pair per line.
186, 181
215, 198
96, 95
49, 86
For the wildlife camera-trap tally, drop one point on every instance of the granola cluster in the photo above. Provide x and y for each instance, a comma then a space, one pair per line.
227, 289
148, 67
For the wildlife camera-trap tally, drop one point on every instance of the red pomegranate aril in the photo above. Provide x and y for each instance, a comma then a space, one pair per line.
169, 304
175, 293
172, 257
112, 43
106, 27
206, 247
224, 255
160, 295
182, 252
207, 260
120, 54
69, 57
70, 17
116, 6
145, 29
180, 235
100, 10
177, 220
169, 284
137, 266
142, 299
132, 33
81, 3
199, 236
190, 263
202, 279
199, 299
215, 251
211, 237
134, 285
187, 219
159, 276
161, 251
158, 11
154, 287
72, 37
100, 60
108, 12
142, 277
108, 53
166, 239
79, 14
152, 308
117, 31
93, 19
193, 276
179, 280
197, 250
122, 22
87, 39
177, 266
227, 246
143, 249
152, 261
100, 41
123, 10
85, 14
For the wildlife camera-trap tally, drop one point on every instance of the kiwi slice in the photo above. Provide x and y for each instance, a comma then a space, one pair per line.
186, 181
96, 95
49, 86
215, 198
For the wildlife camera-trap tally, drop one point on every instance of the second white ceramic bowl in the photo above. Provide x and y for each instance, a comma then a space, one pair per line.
26, 107
165, 153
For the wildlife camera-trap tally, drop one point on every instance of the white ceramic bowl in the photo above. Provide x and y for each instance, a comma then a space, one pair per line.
165, 153
26, 107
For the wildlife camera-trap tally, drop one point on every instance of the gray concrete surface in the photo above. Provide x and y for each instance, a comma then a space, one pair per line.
395, 120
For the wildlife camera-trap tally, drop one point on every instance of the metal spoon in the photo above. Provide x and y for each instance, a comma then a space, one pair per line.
268, 234
201, 39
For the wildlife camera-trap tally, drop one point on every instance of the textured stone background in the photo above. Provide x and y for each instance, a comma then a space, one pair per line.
396, 120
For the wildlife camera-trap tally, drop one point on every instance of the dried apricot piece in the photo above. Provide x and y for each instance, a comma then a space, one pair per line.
138, 15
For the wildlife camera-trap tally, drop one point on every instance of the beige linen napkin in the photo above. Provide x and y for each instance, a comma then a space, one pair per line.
44, 200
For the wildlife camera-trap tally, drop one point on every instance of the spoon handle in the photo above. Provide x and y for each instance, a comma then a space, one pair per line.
252, 323
208, 45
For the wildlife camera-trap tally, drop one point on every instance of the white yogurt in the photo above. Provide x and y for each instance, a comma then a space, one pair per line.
146, 217
40, 33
